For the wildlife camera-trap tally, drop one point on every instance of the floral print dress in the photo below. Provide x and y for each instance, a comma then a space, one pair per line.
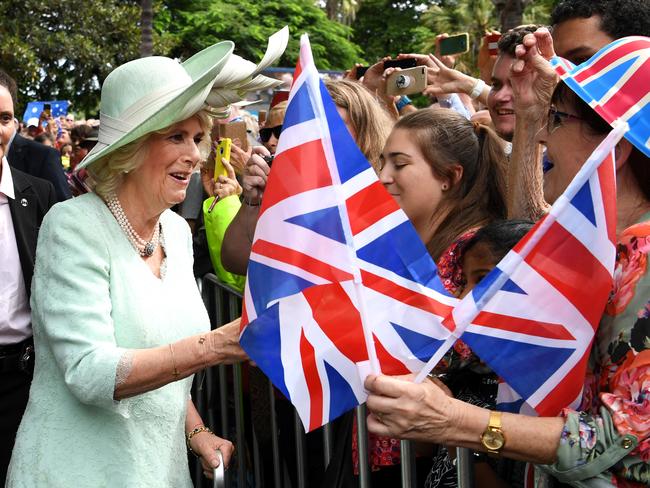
607, 443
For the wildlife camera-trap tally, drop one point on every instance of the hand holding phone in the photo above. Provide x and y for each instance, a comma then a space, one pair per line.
223, 152
456, 44
360, 71
407, 81
236, 132
402, 63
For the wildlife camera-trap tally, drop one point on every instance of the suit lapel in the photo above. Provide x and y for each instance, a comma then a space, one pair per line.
24, 214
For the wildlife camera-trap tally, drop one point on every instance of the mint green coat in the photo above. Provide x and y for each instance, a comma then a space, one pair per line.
93, 298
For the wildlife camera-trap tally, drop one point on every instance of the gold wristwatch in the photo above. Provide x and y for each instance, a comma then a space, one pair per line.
493, 438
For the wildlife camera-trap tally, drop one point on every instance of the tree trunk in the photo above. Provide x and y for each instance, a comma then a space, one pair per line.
146, 29
511, 13
332, 9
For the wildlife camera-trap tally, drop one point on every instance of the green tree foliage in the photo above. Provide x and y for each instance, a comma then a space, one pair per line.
388, 27
476, 17
249, 23
61, 49
454, 16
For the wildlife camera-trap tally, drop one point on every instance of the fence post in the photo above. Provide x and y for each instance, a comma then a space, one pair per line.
301, 454
275, 444
362, 444
407, 464
464, 467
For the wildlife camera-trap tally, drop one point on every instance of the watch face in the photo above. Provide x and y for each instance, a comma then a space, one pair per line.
493, 439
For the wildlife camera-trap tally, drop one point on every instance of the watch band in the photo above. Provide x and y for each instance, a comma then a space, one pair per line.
493, 438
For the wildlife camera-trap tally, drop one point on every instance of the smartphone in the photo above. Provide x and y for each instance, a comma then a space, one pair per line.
407, 81
400, 63
47, 109
493, 43
457, 44
233, 131
223, 152
361, 70
261, 117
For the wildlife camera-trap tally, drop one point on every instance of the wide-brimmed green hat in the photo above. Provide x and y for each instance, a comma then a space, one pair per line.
152, 93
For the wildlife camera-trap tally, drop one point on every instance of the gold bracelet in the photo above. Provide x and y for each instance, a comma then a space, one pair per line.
175, 372
192, 433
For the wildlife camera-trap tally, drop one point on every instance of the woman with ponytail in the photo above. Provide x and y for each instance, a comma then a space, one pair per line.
448, 175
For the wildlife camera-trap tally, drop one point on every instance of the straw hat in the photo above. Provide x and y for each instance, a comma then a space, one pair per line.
149, 94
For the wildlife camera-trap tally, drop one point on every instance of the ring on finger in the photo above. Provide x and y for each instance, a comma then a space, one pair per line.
380, 417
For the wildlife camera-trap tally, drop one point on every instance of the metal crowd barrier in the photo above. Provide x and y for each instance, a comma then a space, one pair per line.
219, 396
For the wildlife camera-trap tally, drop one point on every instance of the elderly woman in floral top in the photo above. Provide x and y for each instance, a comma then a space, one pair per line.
606, 442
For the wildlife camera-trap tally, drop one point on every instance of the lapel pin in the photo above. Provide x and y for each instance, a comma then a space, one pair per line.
23, 202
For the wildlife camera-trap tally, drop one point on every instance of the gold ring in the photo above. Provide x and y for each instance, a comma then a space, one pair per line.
380, 417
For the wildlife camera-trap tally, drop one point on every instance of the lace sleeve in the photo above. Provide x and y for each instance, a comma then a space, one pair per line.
124, 367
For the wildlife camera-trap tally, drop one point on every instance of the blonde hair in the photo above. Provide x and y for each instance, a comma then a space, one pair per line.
108, 172
368, 118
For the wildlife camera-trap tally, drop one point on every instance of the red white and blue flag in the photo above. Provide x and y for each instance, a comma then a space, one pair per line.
533, 318
339, 284
614, 82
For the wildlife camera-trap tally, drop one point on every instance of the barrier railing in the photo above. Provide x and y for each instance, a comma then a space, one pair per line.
223, 403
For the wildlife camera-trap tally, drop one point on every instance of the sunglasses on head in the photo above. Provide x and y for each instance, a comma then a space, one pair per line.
265, 133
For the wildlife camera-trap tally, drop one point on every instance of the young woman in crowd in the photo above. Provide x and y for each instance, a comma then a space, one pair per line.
607, 441
270, 133
119, 324
448, 175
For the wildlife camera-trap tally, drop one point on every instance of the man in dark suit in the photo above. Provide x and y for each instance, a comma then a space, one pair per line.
24, 200
39, 160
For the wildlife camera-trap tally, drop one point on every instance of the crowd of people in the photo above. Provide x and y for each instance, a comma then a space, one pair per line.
102, 327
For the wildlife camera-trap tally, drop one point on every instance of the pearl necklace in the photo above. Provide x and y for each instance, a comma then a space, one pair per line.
144, 248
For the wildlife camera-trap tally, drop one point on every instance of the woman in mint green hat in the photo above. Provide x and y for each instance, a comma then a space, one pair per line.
119, 324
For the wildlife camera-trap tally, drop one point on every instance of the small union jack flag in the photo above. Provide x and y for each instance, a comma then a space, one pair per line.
533, 318
614, 82
339, 284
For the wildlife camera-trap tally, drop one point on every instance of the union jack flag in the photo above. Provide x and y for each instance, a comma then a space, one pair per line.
614, 82
532, 319
339, 284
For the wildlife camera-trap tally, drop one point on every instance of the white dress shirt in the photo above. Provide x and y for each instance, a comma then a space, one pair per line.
15, 316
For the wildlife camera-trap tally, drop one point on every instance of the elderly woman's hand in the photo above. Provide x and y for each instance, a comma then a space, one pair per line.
255, 175
533, 78
224, 342
406, 410
205, 445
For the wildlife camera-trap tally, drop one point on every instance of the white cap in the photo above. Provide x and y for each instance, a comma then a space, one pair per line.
32, 122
